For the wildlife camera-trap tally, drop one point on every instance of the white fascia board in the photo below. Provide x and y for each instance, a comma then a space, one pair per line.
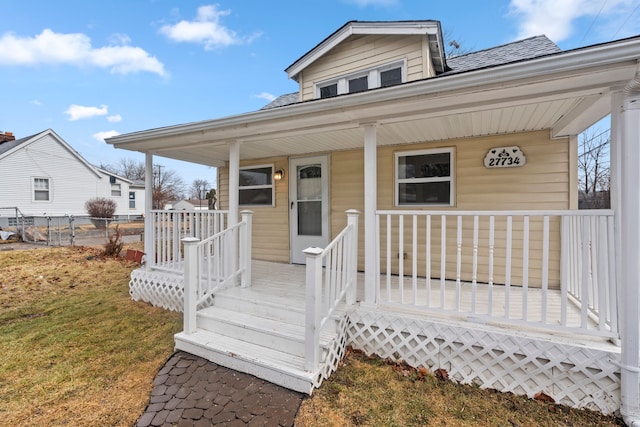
581, 59
360, 28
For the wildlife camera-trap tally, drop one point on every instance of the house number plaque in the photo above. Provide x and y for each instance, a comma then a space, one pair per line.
505, 157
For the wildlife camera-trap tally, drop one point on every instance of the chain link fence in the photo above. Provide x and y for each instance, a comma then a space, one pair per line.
67, 230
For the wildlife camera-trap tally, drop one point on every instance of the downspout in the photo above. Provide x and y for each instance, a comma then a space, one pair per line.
630, 298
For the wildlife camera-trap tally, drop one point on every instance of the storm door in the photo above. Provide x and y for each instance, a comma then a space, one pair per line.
308, 205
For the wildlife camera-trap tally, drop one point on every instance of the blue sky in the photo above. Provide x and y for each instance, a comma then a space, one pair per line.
90, 69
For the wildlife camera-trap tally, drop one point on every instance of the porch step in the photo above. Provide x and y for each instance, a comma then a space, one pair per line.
271, 365
261, 329
262, 304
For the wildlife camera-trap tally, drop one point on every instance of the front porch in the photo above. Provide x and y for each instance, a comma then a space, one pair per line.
247, 329
522, 334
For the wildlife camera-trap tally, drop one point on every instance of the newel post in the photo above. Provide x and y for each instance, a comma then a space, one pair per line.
352, 220
245, 248
312, 308
190, 288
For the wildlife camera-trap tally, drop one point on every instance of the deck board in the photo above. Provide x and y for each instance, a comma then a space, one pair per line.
286, 281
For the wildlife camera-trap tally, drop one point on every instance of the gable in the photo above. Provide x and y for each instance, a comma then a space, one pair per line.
46, 141
361, 54
359, 47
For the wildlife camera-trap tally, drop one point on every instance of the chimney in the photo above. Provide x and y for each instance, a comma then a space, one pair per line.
6, 137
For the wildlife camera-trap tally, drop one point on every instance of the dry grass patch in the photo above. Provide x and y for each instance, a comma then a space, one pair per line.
75, 349
370, 392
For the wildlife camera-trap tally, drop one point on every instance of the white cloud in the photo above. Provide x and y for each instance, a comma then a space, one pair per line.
115, 118
556, 18
77, 112
205, 29
36, 102
75, 49
101, 136
266, 95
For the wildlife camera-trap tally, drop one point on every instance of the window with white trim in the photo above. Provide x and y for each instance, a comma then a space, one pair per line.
132, 199
41, 190
256, 186
424, 178
383, 76
116, 190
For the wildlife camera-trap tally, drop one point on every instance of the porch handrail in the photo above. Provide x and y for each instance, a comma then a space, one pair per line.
171, 226
218, 262
522, 266
325, 289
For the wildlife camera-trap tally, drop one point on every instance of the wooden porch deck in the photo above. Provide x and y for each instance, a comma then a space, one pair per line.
285, 283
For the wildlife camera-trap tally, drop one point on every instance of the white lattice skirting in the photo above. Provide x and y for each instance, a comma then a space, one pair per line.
160, 289
334, 353
574, 375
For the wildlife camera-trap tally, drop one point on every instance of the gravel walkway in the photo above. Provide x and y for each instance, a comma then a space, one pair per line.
191, 391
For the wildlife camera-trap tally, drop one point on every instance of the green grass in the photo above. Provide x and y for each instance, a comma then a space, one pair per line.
370, 392
75, 349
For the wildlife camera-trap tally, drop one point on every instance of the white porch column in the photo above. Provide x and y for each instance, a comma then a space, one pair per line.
149, 231
370, 205
629, 226
234, 177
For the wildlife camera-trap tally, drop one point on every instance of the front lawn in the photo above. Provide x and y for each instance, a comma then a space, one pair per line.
75, 349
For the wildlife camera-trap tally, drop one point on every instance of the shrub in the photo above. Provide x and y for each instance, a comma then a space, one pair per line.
100, 207
114, 246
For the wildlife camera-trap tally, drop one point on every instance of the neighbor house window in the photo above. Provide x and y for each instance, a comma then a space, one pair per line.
424, 177
41, 189
132, 199
116, 190
383, 76
256, 186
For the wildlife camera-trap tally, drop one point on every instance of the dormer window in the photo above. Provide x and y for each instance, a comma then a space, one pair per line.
358, 84
384, 76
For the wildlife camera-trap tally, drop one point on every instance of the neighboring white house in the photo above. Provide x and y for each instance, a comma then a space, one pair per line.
42, 175
190, 205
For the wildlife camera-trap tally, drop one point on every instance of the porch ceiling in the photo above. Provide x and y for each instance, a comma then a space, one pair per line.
563, 94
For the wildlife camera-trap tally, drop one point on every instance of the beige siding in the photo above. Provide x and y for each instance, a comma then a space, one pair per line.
270, 223
363, 52
542, 184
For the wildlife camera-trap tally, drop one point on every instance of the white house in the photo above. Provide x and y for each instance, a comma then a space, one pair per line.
472, 255
42, 175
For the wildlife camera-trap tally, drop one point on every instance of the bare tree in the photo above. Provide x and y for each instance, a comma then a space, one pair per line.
594, 173
199, 188
131, 169
167, 186
127, 168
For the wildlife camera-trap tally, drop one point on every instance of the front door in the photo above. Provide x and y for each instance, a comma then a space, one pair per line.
308, 205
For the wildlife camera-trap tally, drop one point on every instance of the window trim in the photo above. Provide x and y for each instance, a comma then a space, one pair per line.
373, 75
49, 189
451, 178
119, 184
257, 187
132, 199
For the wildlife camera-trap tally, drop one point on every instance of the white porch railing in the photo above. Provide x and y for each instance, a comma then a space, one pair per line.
213, 264
170, 227
327, 287
550, 269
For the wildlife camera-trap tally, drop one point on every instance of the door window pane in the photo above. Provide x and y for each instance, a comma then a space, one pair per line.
309, 182
310, 218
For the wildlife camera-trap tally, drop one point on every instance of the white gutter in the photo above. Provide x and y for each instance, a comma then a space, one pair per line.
580, 59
